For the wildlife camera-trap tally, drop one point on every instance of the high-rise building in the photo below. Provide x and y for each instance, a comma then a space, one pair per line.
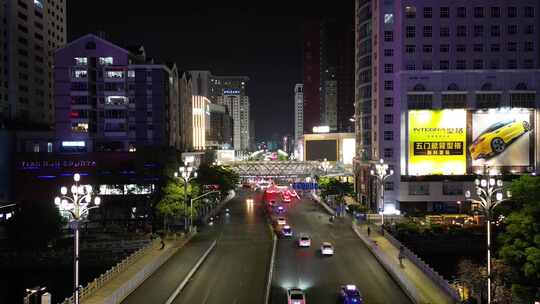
110, 99
31, 31
298, 111
311, 75
221, 124
436, 82
201, 83
231, 91
186, 111
201, 121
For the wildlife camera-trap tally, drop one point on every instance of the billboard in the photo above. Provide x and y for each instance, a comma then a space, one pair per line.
437, 142
348, 146
321, 149
501, 137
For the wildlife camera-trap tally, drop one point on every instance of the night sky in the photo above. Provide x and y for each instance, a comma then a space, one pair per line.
259, 39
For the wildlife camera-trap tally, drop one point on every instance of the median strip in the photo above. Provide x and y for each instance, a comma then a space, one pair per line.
271, 270
190, 274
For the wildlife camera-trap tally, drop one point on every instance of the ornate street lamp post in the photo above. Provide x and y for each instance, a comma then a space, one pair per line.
76, 206
489, 191
187, 174
381, 173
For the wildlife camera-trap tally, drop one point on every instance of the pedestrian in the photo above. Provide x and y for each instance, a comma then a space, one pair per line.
162, 242
368, 231
400, 255
382, 230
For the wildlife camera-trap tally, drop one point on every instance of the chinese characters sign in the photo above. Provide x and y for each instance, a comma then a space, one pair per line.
437, 141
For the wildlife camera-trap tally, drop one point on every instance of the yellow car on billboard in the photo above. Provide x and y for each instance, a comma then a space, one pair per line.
497, 137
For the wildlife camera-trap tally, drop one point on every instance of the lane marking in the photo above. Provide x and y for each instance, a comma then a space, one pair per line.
190, 274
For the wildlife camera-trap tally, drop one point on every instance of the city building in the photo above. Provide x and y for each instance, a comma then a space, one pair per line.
311, 74
201, 83
329, 99
220, 134
231, 91
186, 111
201, 121
31, 31
445, 78
298, 111
109, 99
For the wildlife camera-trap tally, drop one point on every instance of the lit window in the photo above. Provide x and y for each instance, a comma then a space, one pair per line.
115, 74
79, 127
116, 100
36, 148
388, 18
49, 147
80, 74
131, 74
38, 4
105, 60
81, 60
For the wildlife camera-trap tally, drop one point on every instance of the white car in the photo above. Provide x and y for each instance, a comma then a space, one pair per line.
296, 296
281, 221
327, 249
304, 241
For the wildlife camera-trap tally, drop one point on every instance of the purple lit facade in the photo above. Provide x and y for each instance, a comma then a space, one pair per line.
112, 99
414, 55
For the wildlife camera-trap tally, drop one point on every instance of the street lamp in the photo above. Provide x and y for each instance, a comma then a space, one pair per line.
382, 173
325, 164
76, 206
489, 191
186, 174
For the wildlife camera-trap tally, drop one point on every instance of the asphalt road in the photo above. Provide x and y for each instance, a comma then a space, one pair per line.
236, 270
320, 277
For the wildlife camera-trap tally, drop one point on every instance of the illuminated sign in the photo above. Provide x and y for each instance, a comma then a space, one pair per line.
437, 142
501, 137
73, 143
231, 92
56, 164
321, 129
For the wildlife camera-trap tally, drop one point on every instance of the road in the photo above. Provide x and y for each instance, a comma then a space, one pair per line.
320, 277
234, 272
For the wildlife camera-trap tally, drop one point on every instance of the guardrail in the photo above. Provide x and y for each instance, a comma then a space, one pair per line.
426, 269
97, 283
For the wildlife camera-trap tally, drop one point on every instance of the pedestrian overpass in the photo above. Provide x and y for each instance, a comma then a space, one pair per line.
284, 169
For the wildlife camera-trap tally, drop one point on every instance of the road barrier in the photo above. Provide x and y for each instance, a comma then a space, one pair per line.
190, 274
271, 268
317, 199
426, 269
122, 292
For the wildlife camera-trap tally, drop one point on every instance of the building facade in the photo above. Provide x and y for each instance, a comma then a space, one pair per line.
298, 111
186, 111
32, 31
109, 100
220, 134
311, 74
433, 82
201, 121
231, 91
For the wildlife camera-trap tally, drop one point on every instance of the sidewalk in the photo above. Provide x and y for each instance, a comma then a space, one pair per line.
420, 288
111, 292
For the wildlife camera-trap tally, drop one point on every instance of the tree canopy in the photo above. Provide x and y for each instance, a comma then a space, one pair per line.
520, 241
224, 177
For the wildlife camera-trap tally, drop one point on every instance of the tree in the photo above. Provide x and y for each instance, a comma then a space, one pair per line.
224, 177
333, 186
173, 202
520, 241
34, 225
474, 277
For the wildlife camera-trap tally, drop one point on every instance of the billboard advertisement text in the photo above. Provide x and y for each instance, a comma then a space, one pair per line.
437, 142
